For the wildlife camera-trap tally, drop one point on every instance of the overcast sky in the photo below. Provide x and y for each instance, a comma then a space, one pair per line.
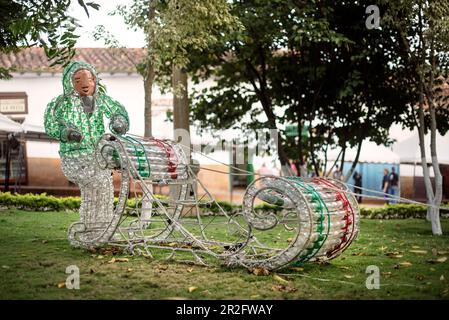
114, 24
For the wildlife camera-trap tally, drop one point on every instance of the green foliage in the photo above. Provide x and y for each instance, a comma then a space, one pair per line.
44, 202
303, 64
39, 23
176, 30
399, 211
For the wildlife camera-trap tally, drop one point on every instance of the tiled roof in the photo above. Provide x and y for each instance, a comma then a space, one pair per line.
104, 59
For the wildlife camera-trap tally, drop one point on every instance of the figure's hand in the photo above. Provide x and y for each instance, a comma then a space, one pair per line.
119, 125
74, 135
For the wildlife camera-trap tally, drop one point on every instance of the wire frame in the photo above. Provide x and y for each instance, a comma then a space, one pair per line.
308, 220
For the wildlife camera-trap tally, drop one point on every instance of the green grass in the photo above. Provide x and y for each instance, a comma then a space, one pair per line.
34, 254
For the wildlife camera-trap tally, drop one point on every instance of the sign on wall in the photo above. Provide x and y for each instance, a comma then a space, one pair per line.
13, 102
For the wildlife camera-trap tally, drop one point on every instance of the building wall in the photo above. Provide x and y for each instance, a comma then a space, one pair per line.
43, 163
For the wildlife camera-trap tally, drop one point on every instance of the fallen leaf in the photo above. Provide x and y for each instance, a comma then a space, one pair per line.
439, 260
343, 267
395, 254
114, 260
161, 268
61, 285
416, 247
347, 276
255, 296
189, 270
100, 257
279, 279
404, 264
44, 241
442, 277
297, 269
260, 271
441, 253
282, 288
130, 269
5, 267
191, 289
207, 292
418, 251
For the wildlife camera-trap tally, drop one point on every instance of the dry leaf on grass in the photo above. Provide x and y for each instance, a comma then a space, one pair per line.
279, 279
191, 289
404, 264
297, 269
260, 271
114, 260
418, 251
347, 276
282, 288
438, 260
61, 285
395, 254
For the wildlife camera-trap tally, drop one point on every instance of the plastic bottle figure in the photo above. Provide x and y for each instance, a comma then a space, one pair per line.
76, 119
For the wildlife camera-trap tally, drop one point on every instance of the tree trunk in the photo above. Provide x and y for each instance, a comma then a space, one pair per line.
181, 119
354, 164
148, 87
342, 161
149, 74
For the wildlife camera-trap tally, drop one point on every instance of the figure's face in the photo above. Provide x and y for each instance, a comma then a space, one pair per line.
84, 82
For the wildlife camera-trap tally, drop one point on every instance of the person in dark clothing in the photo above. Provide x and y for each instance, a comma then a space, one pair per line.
386, 184
394, 182
358, 185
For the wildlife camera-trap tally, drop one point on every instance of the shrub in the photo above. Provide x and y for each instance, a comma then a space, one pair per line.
44, 202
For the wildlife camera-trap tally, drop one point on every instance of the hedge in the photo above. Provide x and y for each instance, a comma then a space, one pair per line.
44, 202
400, 211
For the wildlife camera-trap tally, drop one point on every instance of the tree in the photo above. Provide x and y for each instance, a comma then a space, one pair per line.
174, 29
423, 36
311, 64
39, 23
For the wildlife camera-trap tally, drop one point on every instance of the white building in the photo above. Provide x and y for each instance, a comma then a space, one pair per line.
25, 97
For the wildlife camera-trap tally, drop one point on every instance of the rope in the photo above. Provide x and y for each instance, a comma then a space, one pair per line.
245, 172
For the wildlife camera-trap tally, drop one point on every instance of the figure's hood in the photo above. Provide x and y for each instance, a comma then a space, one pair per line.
68, 72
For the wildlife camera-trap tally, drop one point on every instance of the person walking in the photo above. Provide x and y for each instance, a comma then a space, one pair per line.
393, 184
358, 185
386, 185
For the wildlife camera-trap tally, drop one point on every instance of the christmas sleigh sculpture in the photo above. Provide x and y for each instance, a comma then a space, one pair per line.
310, 220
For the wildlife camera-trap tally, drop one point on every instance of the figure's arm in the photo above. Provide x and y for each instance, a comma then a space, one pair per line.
118, 115
55, 126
